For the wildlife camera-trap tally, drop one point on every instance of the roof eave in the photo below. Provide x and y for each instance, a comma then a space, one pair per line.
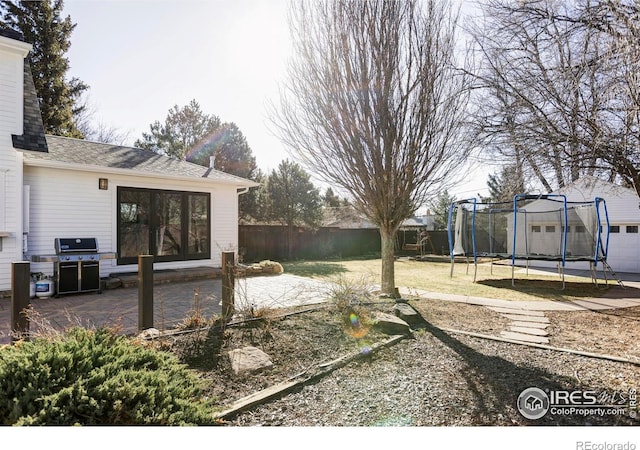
130, 172
15, 46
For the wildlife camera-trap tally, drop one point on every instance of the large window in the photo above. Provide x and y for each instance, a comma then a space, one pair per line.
171, 225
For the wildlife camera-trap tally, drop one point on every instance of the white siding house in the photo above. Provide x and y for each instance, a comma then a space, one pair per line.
50, 188
12, 54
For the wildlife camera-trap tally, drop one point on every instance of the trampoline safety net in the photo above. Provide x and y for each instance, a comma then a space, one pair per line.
545, 227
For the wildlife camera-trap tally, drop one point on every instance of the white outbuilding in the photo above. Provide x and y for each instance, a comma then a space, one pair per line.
623, 208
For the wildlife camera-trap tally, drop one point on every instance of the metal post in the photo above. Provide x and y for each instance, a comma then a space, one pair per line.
228, 285
145, 292
20, 296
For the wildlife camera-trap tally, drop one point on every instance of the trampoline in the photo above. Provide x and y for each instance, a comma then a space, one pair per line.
531, 228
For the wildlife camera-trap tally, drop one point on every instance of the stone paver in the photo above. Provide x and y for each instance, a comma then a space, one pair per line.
528, 330
173, 302
523, 325
526, 318
279, 291
517, 311
538, 325
524, 337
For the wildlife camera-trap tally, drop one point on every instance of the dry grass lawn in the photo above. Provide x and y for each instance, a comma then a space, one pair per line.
491, 282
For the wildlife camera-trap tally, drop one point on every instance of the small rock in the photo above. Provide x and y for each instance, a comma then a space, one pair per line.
408, 314
149, 333
249, 359
388, 324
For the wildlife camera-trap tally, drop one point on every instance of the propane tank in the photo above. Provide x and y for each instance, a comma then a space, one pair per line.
44, 288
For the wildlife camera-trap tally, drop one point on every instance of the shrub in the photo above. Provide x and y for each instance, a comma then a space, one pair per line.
345, 293
95, 377
347, 297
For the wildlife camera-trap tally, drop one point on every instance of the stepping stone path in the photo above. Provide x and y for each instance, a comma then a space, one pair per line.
526, 325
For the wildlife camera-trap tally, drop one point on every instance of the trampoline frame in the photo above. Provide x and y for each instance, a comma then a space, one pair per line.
601, 245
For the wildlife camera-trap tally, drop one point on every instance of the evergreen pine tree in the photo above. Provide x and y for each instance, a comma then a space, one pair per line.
293, 199
41, 24
330, 199
440, 207
505, 185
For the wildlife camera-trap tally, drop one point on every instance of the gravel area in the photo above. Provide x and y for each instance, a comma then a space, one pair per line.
430, 378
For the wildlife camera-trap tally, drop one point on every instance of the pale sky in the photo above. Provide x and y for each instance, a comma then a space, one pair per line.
141, 57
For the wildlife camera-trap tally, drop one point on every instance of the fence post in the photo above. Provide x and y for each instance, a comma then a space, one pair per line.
228, 285
20, 296
145, 292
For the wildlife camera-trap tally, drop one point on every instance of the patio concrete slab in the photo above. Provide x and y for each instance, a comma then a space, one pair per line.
280, 291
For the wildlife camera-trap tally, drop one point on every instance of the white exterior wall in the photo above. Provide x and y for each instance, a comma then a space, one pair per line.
11, 117
68, 203
623, 207
11, 208
224, 223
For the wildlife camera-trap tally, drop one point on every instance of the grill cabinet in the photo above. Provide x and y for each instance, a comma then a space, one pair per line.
76, 265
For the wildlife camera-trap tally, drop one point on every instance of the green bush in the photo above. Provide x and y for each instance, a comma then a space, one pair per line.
95, 377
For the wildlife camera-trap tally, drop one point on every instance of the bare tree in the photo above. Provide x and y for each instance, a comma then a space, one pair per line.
619, 21
560, 87
374, 104
535, 80
95, 129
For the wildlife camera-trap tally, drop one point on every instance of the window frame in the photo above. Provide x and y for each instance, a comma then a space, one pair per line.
154, 196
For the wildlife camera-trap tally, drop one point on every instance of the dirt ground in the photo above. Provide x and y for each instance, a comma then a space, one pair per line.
612, 332
297, 343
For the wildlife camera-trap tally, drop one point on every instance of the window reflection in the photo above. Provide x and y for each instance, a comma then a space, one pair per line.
171, 225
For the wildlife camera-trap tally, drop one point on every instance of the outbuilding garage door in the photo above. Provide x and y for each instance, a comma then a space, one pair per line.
624, 248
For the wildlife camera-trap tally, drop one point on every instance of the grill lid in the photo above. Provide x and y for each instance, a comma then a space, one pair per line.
75, 245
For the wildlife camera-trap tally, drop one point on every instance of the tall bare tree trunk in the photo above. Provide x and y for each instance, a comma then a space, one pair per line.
374, 105
387, 282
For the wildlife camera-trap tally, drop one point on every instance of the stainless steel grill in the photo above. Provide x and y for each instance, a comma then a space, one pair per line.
76, 264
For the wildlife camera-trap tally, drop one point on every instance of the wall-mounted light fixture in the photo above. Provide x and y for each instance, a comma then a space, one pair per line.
103, 183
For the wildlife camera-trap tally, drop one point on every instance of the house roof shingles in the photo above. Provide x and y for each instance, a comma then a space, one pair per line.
33, 136
40, 149
96, 155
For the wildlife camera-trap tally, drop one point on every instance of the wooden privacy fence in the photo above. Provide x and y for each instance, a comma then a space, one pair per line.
262, 242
